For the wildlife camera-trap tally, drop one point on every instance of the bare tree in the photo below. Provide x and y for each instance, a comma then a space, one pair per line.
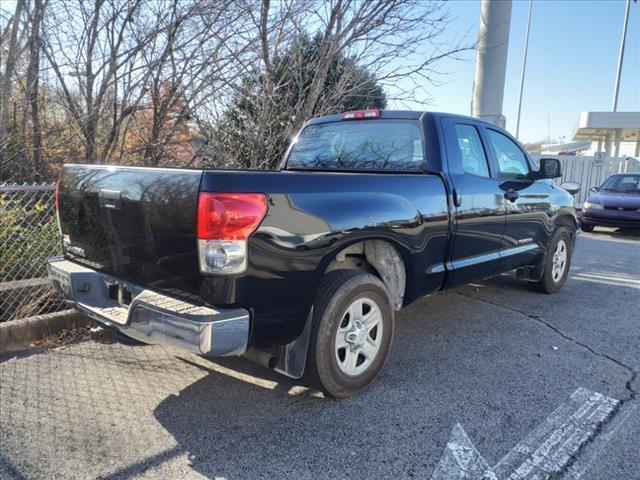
93, 48
396, 41
126, 57
8, 77
33, 81
143, 81
201, 45
275, 25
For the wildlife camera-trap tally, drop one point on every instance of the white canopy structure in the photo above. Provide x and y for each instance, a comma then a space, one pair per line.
569, 147
609, 128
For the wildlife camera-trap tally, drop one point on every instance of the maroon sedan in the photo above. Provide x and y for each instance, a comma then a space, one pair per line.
616, 203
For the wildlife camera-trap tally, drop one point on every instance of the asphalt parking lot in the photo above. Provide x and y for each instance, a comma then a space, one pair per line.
494, 358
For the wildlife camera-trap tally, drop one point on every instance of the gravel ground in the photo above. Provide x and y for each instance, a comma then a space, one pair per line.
494, 357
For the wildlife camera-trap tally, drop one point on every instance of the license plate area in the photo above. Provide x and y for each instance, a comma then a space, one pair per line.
120, 293
101, 296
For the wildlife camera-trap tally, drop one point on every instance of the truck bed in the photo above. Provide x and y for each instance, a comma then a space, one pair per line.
139, 224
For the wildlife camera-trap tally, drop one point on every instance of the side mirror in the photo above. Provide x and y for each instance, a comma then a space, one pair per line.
572, 187
549, 168
593, 189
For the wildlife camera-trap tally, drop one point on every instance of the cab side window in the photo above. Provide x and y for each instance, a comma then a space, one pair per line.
474, 160
512, 163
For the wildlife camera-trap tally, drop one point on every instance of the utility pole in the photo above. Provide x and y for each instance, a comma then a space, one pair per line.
491, 61
616, 90
548, 127
524, 66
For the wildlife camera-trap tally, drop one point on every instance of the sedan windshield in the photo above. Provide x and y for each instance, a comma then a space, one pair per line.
622, 184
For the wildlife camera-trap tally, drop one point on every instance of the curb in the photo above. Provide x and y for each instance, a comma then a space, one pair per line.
16, 335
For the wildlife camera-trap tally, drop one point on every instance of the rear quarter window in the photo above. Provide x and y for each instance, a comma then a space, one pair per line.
359, 145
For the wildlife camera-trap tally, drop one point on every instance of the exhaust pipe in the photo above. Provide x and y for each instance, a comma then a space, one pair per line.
101, 334
261, 357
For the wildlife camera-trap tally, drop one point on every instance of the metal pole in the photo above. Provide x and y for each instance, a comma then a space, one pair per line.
616, 143
491, 61
616, 90
524, 66
548, 127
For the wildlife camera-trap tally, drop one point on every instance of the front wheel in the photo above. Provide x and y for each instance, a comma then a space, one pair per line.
557, 263
351, 332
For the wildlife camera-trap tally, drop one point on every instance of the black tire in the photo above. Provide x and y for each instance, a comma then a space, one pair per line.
339, 290
586, 228
549, 283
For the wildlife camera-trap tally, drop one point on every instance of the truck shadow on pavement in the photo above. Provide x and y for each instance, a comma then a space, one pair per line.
484, 356
477, 355
242, 420
454, 360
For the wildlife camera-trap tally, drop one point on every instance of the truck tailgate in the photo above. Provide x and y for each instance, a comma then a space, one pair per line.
138, 224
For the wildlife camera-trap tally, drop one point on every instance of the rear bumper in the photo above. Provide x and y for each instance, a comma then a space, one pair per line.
611, 218
150, 317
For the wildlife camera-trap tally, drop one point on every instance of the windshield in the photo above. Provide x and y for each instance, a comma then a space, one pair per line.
622, 184
359, 145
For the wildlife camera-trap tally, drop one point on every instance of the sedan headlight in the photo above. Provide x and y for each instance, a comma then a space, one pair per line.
592, 206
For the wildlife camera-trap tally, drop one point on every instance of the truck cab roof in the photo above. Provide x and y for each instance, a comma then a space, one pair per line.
399, 115
429, 121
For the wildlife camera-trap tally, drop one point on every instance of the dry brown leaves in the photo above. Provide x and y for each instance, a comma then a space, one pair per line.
62, 338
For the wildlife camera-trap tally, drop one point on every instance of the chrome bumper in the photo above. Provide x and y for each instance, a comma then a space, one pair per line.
150, 317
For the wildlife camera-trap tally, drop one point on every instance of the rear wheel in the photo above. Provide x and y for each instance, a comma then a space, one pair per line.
351, 333
586, 228
557, 263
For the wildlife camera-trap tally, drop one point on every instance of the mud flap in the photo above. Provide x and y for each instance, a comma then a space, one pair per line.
292, 357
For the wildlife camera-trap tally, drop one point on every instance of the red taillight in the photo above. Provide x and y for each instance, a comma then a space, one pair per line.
229, 216
361, 114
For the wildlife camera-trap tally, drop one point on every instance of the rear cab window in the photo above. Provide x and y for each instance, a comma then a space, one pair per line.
380, 144
472, 155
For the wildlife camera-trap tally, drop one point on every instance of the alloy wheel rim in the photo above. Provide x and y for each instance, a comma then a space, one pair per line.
359, 336
559, 261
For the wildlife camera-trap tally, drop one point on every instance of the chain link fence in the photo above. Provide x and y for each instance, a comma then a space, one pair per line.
28, 235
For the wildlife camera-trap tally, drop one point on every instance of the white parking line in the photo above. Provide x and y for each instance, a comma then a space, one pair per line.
544, 452
583, 464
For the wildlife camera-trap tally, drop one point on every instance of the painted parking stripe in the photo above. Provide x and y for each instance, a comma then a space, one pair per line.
544, 452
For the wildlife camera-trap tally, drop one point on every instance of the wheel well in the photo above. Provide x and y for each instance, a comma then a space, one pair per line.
570, 223
378, 257
567, 221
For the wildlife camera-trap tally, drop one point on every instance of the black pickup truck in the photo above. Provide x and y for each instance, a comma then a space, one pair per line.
303, 268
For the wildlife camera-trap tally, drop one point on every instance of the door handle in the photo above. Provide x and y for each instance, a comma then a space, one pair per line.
110, 199
511, 195
457, 198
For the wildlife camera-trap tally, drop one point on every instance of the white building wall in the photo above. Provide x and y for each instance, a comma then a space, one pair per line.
626, 149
